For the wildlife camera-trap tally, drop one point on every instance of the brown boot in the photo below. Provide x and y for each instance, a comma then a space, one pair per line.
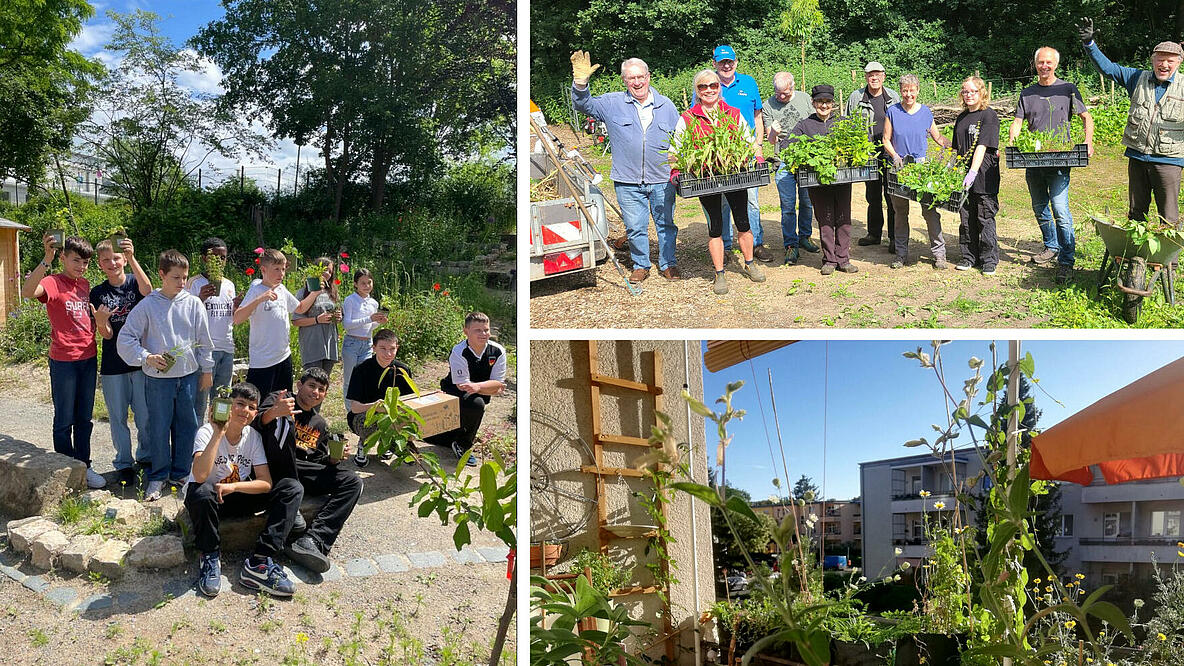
639, 274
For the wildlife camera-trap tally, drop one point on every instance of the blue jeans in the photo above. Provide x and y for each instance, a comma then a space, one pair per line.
223, 373
754, 219
72, 385
121, 392
173, 423
1051, 185
797, 213
353, 351
638, 203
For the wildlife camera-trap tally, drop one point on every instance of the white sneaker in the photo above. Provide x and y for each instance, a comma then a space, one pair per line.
153, 491
94, 479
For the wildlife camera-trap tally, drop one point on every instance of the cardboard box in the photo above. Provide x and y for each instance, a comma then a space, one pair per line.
440, 412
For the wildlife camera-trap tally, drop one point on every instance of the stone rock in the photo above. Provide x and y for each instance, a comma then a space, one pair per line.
157, 552
76, 555
168, 507
46, 547
96, 496
125, 512
107, 560
33, 480
21, 537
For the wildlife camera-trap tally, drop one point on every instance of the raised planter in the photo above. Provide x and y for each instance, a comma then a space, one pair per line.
843, 653
936, 649
757, 176
952, 204
808, 177
1077, 157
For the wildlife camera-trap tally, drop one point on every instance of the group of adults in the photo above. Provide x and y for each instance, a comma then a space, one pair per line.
645, 129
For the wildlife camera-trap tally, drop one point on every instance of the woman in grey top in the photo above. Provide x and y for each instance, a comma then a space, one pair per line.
318, 326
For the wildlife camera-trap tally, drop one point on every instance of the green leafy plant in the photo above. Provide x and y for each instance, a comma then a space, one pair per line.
607, 575
1152, 232
846, 145
940, 175
570, 604
214, 267
724, 149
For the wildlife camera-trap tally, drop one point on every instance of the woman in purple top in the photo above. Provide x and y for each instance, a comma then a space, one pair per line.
907, 129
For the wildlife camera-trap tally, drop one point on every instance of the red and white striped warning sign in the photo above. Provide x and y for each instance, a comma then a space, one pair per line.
561, 232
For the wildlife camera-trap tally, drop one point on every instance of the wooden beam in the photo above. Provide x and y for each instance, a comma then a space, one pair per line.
610, 471
625, 440
625, 384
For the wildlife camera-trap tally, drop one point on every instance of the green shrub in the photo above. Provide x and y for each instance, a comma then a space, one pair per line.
25, 335
1110, 120
428, 323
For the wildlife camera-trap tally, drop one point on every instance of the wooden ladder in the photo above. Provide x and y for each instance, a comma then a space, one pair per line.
604, 535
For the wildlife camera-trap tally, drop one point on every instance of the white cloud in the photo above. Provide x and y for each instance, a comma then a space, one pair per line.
93, 38
207, 80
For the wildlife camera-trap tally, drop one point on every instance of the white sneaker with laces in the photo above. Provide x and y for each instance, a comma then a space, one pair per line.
94, 479
153, 491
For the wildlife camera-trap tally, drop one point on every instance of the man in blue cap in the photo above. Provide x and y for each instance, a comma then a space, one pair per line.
740, 91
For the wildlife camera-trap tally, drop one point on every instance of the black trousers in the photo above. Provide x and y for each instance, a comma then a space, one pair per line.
976, 232
201, 501
343, 488
1162, 181
876, 193
714, 205
273, 378
472, 411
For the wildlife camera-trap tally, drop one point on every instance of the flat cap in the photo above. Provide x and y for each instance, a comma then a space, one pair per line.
1169, 47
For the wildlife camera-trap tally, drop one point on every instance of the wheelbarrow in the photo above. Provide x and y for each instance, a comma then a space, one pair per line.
1129, 263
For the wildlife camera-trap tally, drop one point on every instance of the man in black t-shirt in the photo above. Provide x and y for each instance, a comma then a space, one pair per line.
368, 385
296, 439
477, 372
123, 385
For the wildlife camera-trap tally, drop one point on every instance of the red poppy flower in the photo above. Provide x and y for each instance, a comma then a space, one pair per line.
344, 268
445, 292
337, 281
345, 255
250, 271
256, 259
436, 287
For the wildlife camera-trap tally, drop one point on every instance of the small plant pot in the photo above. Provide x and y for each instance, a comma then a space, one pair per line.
169, 361
859, 654
59, 237
116, 239
547, 553
221, 410
336, 446
312, 284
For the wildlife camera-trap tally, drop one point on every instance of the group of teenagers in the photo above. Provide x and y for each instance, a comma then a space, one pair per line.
167, 350
644, 129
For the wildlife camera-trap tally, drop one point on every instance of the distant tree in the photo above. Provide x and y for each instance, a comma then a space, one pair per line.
752, 536
805, 488
799, 21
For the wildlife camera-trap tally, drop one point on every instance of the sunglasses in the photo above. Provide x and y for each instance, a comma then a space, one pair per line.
708, 86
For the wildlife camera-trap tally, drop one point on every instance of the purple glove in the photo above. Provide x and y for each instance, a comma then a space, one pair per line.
969, 180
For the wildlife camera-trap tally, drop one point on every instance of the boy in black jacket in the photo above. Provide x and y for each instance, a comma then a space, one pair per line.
368, 385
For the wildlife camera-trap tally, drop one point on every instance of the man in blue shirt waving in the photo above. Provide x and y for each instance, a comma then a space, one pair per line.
1154, 133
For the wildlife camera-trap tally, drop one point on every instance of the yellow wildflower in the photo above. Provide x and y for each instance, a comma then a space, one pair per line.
1079, 576
1069, 624
1161, 637
939, 505
301, 637
925, 493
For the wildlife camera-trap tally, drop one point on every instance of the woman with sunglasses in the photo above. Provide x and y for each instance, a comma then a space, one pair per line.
702, 119
976, 136
832, 203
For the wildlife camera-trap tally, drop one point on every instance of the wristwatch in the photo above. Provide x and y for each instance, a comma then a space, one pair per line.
47, 266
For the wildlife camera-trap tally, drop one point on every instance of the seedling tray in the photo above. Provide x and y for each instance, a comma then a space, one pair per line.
952, 204
808, 177
1077, 157
757, 176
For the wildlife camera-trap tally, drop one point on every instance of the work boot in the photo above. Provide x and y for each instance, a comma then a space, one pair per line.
827, 269
1044, 257
754, 271
808, 245
869, 240
848, 268
639, 274
671, 273
791, 256
721, 284
760, 253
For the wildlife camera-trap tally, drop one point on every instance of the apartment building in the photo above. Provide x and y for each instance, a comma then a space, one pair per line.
838, 521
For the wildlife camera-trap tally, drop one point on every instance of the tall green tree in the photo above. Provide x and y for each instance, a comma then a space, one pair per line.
380, 87
153, 132
750, 535
805, 488
44, 85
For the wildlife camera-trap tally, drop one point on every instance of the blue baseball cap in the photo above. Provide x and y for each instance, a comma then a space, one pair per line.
724, 52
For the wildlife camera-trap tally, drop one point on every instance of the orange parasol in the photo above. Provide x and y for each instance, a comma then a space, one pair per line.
1135, 433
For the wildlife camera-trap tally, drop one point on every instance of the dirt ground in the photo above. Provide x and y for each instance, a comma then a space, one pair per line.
877, 296
445, 615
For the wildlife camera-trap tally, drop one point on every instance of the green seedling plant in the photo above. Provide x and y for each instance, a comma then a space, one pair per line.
569, 604
846, 145
1040, 141
725, 149
214, 267
941, 175
1152, 232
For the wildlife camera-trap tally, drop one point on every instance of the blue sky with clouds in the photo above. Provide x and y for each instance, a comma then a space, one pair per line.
180, 20
861, 400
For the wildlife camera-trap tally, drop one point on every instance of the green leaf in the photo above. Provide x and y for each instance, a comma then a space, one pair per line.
1028, 365
705, 493
736, 504
1108, 612
461, 536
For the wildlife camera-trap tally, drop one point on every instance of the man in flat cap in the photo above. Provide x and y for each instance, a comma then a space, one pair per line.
1154, 134
872, 102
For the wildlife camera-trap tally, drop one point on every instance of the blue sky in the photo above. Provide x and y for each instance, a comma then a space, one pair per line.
181, 20
877, 400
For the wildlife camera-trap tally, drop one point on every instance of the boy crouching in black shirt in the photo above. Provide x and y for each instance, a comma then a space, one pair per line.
368, 385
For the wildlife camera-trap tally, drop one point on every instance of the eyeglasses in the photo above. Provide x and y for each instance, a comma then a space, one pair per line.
708, 86
969, 92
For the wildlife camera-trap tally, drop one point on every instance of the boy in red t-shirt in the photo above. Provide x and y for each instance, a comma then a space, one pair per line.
72, 349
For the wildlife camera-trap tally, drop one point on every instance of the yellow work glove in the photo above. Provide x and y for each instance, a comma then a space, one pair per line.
582, 68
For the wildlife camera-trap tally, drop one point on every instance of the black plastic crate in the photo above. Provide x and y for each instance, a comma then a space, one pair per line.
1077, 157
952, 204
757, 176
808, 177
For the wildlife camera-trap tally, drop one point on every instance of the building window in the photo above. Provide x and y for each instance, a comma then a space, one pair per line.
1109, 579
1165, 523
830, 528
1066, 528
858, 527
1110, 525
918, 529
915, 485
898, 526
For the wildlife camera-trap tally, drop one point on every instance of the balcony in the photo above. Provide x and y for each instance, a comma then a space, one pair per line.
1132, 492
1128, 549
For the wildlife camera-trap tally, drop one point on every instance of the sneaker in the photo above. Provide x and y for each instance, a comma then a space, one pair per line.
964, 265
299, 527
1044, 257
940, 265
827, 269
209, 577
761, 253
720, 286
464, 454
306, 552
897, 263
1064, 273
386, 456
94, 479
808, 245
154, 490
361, 459
266, 576
791, 256
753, 270
127, 477
869, 240
989, 269
848, 268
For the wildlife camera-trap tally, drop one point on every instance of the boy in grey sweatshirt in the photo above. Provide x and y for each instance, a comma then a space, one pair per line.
167, 334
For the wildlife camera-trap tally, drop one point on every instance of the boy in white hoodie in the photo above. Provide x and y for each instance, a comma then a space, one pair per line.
167, 334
